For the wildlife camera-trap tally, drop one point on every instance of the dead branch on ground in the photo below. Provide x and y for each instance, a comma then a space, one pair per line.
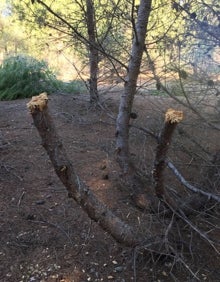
191, 187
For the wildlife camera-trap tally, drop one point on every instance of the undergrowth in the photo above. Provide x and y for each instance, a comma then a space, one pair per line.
24, 76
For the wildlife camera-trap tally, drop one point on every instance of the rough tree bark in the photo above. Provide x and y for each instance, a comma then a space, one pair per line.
126, 102
93, 52
77, 190
172, 118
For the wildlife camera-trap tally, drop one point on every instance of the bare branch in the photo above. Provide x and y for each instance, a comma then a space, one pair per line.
189, 186
79, 35
196, 229
173, 96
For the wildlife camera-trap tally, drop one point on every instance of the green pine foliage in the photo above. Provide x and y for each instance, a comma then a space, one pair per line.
24, 76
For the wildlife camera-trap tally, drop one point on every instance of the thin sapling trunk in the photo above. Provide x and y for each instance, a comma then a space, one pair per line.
93, 52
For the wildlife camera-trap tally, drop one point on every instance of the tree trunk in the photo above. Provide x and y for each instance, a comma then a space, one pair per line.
93, 52
125, 107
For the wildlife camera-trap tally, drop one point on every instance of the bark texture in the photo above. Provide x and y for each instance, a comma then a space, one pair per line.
126, 102
77, 190
93, 52
172, 118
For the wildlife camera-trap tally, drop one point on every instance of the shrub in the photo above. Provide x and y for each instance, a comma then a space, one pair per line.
23, 76
74, 86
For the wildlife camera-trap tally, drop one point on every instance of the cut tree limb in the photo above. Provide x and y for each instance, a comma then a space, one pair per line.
77, 190
172, 118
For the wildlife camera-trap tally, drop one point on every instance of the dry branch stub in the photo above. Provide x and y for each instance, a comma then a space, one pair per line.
38, 102
172, 118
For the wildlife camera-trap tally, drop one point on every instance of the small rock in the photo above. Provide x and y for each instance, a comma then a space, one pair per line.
92, 270
40, 202
164, 273
54, 276
30, 217
119, 269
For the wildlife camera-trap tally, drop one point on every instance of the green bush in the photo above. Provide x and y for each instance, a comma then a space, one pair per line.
23, 76
74, 86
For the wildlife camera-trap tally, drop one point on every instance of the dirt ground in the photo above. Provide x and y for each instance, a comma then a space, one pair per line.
44, 235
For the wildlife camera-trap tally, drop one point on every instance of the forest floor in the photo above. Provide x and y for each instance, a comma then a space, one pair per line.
46, 236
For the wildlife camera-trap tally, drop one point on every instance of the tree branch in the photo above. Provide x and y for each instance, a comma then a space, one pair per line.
77, 190
82, 38
172, 118
189, 186
173, 96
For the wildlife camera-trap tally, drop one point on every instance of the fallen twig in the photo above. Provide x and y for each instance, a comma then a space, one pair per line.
189, 186
20, 199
